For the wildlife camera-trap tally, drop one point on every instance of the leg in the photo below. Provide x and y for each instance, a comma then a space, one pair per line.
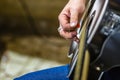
57, 73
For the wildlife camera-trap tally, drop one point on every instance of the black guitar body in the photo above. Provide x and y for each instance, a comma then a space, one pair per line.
105, 47
109, 53
103, 42
107, 58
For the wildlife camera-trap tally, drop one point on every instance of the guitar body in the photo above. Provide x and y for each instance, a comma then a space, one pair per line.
99, 42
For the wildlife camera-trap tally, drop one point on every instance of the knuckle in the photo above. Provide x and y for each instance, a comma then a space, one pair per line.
59, 17
74, 8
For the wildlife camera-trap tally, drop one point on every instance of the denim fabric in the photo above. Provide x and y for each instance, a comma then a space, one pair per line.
56, 73
60, 73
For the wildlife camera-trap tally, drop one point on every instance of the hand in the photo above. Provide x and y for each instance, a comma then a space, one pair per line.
69, 18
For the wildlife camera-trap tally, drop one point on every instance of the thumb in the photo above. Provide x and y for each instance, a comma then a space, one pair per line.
74, 18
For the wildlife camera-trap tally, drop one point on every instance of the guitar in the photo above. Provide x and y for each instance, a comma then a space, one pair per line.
89, 57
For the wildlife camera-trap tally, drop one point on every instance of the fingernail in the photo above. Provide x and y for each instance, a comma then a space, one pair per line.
73, 24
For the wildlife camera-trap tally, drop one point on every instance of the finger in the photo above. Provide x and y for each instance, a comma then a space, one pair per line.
76, 13
68, 35
64, 19
74, 18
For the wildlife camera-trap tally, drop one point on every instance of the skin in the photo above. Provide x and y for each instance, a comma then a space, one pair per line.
69, 18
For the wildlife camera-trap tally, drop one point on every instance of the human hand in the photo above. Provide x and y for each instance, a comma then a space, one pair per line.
69, 18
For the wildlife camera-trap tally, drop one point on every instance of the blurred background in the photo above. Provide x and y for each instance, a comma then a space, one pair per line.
29, 40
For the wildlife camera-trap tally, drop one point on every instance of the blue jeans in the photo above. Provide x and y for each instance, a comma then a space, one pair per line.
56, 73
60, 73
